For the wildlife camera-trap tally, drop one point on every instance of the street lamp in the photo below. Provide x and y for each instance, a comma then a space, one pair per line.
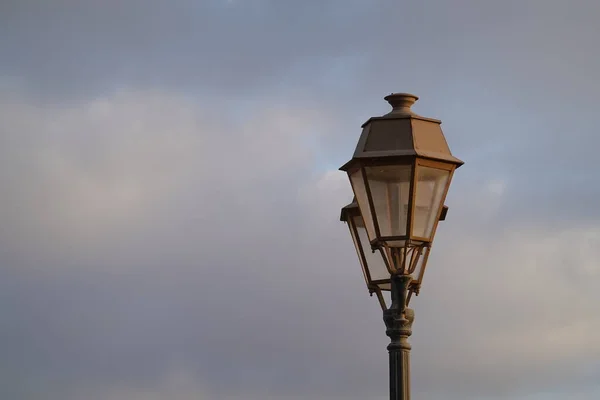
400, 173
375, 270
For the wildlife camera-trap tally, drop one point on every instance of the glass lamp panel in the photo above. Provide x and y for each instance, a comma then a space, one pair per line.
390, 192
429, 196
375, 263
358, 246
420, 265
360, 191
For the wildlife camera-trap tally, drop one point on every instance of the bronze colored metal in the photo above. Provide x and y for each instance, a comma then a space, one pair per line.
399, 138
402, 133
348, 215
444, 213
411, 200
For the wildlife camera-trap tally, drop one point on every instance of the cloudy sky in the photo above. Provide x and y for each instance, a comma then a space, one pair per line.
170, 198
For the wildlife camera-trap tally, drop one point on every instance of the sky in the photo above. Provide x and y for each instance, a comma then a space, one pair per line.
170, 198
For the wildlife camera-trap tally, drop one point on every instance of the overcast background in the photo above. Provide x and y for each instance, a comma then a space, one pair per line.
170, 198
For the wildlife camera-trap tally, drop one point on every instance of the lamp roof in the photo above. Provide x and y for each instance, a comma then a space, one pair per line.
402, 133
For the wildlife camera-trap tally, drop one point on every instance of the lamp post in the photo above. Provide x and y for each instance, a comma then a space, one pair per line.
400, 173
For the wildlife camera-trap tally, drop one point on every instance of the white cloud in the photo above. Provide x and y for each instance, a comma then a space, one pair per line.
78, 175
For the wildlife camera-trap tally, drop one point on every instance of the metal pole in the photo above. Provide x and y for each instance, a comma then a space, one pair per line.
398, 321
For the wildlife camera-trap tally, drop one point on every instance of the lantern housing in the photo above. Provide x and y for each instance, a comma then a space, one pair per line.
400, 173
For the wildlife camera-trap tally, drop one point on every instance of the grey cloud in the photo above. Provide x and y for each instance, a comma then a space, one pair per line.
204, 47
129, 283
180, 279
